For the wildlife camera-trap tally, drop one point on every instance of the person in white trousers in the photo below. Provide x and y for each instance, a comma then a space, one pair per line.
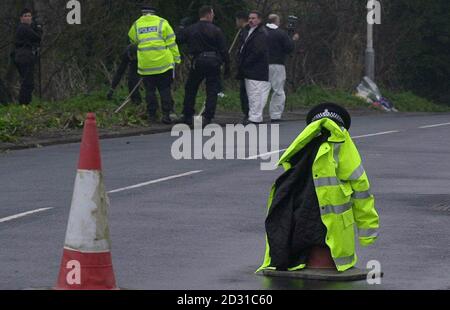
257, 92
254, 67
280, 46
277, 79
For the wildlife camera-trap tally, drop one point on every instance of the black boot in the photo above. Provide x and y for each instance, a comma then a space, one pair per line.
188, 120
109, 95
206, 121
166, 119
152, 118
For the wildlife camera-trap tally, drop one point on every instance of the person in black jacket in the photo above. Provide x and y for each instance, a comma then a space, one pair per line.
242, 24
254, 67
27, 42
128, 61
207, 46
280, 46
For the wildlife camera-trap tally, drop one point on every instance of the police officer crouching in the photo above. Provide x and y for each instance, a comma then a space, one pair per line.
206, 44
157, 54
26, 53
128, 61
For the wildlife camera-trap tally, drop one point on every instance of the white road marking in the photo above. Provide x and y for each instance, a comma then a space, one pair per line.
434, 126
376, 134
356, 137
13, 217
155, 181
264, 154
9, 218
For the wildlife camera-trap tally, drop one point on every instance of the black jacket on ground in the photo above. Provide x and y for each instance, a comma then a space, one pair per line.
280, 46
254, 56
293, 224
204, 36
26, 42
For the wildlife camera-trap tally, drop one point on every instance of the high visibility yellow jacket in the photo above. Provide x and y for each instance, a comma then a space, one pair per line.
156, 44
343, 193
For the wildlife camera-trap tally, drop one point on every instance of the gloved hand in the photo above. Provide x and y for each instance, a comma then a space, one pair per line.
109, 95
132, 52
37, 27
185, 21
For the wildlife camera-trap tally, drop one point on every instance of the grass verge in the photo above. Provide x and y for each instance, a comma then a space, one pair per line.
24, 121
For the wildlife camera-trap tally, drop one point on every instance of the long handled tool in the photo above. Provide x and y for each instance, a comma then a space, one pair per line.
234, 41
197, 118
127, 100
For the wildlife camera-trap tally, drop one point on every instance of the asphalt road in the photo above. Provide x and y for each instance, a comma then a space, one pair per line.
206, 230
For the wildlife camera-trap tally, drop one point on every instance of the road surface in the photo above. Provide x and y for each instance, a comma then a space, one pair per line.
199, 224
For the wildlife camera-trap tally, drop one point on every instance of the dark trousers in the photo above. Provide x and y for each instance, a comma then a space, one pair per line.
26, 72
133, 77
202, 70
161, 82
133, 80
244, 98
4, 93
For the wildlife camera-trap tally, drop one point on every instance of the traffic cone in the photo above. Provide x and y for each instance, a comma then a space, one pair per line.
86, 261
320, 258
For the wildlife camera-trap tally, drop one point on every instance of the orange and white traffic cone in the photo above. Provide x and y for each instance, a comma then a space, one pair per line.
86, 261
320, 258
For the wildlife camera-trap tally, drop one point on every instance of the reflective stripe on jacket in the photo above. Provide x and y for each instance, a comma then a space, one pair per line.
157, 48
343, 193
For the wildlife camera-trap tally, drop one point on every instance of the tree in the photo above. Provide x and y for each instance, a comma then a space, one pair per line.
412, 42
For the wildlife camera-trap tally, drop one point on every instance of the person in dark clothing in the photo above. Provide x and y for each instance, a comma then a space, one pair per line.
242, 25
4, 93
128, 61
280, 46
207, 46
254, 67
27, 42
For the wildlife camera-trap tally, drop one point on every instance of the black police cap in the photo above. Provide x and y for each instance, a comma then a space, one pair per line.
25, 11
332, 111
148, 9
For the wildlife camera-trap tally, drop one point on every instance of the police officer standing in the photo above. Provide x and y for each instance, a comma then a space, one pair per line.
207, 46
28, 39
157, 54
